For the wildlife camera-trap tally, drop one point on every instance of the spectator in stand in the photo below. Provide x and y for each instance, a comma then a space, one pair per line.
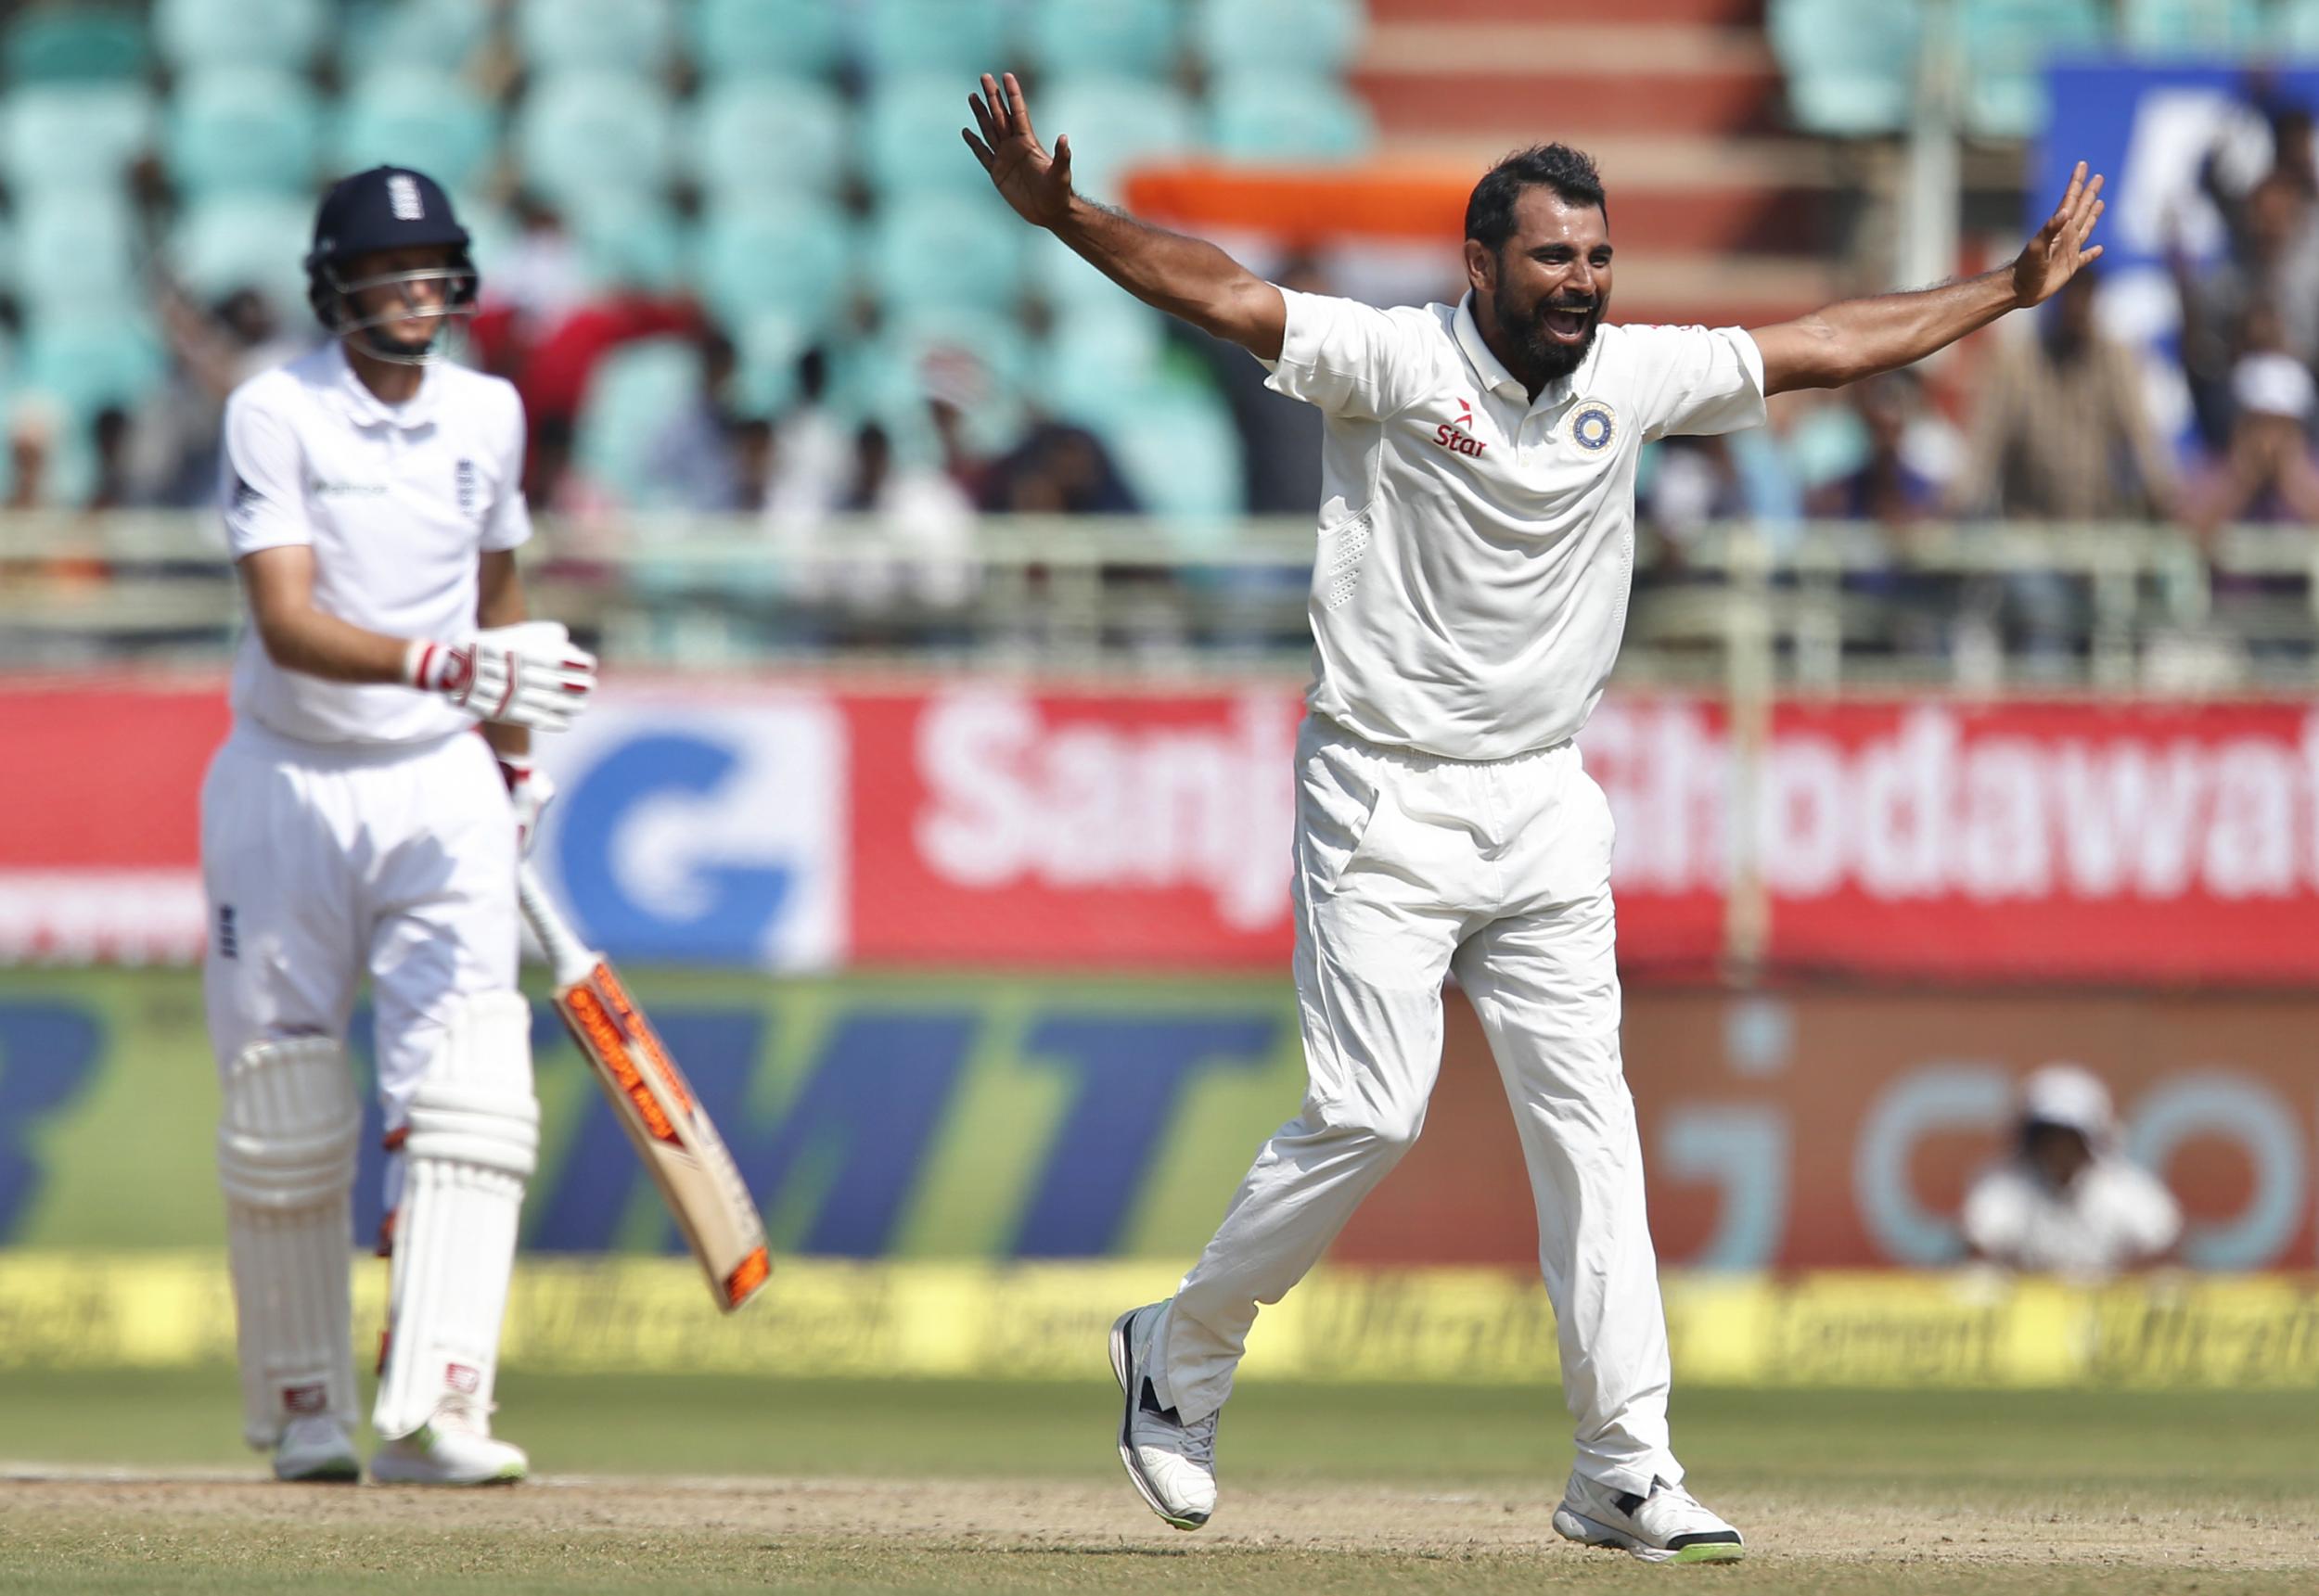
1280, 436
169, 455
32, 425
901, 541
2059, 431
695, 450
1891, 487
2265, 472
2277, 265
1058, 469
812, 455
109, 435
2066, 1201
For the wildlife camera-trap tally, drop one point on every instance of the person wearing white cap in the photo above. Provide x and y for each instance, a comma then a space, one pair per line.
2068, 1201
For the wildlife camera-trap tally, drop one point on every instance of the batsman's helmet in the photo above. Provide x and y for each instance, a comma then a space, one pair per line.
386, 208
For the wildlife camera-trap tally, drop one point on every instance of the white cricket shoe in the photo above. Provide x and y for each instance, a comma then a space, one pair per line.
317, 1448
454, 1448
1668, 1525
1173, 1463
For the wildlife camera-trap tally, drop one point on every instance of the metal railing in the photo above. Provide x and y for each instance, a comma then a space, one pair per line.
1814, 607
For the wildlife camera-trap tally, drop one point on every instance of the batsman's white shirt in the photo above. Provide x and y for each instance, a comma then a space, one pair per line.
1476, 546
397, 501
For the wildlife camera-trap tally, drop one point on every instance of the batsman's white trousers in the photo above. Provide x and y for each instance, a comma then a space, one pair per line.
322, 863
1408, 867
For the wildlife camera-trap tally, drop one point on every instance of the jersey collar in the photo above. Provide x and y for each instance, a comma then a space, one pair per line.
1493, 372
366, 409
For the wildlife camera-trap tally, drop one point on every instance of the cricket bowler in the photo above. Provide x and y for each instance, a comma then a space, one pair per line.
353, 824
1476, 542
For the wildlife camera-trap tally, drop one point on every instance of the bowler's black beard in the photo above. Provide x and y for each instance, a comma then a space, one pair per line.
1547, 359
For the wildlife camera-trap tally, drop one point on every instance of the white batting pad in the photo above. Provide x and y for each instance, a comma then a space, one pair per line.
285, 1156
474, 1135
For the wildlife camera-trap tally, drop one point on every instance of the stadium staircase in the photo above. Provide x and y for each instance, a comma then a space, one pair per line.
1720, 214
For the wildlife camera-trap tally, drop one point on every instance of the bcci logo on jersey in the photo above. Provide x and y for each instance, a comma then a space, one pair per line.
1593, 426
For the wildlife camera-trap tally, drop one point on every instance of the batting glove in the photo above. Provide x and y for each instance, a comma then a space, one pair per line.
530, 790
528, 674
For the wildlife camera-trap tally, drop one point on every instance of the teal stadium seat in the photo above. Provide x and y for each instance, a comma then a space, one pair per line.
1258, 116
952, 37
76, 45
582, 131
1115, 124
244, 241
241, 129
767, 135
2007, 44
594, 35
1851, 65
910, 139
629, 239
58, 137
789, 255
767, 38
631, 398
412, 34
2172, 27
207, 35
1180, 453
419, 117
1094, 353
1131, 38
77, 254
1314, 38
88, 362
1054, 272
766, 348
946, 252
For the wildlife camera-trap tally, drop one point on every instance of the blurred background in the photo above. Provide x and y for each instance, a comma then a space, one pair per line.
952, 613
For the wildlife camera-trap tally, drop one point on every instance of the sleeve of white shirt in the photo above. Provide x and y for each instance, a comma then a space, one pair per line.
508, 525
1994, 1214
1351, 359
2150, 1213
260, 479
1692, 381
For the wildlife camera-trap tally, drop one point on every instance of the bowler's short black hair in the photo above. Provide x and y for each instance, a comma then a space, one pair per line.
1570, 173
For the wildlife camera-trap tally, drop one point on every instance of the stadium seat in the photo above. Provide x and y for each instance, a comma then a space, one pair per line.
1054, 272
88, 362
57, 136
580, 131
910, 134
635, 394
629, 239
1314, 38
411, 35
418, 117
767, 346
1093, 355
1258, 116
593, 35
767, 135
1132, 38
766, 38
2295, 26
945, 252
244, 241
75, 44
2170, 27
1180, 453
947, 36
1851, 65
789, 255
76, 254
241, 129
203, 35
2007, 43
1115, 124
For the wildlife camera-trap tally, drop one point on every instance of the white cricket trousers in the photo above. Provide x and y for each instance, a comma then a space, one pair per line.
323, 862
1408, 867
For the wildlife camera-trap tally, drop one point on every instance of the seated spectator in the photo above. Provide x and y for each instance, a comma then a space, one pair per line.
2277, 266
2068, 1201
905, 542
1057, 469
2266, 472
2059, 430
812, 455
1891, 487
694, 452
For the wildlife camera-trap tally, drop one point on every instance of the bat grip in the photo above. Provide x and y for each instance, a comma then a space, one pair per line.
567, 956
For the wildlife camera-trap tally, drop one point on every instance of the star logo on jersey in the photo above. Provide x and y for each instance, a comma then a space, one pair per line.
1593, 426
1455, 436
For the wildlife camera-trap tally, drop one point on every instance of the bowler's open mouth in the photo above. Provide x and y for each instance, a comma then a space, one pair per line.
1570, 324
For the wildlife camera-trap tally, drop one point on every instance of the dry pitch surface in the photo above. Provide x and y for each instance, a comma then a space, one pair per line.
1884, 1493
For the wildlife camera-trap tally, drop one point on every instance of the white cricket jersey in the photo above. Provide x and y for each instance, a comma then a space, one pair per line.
2113, 1216
1476, 548
397, 501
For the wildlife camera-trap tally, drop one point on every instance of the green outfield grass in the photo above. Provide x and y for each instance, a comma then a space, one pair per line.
948, 1486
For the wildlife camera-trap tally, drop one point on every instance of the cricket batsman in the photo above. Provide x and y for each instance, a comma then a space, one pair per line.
353, 824
1476, 537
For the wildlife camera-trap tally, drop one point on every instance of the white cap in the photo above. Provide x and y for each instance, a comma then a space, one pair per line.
2273, 385
2067, 1095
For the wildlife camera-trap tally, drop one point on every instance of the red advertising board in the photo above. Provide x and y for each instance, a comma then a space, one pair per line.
788, 824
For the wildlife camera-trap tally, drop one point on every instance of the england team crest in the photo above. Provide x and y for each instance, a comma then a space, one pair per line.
1594, 425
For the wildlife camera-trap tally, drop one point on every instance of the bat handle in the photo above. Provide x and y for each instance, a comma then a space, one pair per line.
567, 956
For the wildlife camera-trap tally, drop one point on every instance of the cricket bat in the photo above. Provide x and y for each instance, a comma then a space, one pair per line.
655, 1107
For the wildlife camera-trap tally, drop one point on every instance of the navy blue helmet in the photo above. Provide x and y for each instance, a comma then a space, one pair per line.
386, 208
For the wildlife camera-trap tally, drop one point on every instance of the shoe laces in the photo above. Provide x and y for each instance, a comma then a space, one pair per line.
461, 1415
